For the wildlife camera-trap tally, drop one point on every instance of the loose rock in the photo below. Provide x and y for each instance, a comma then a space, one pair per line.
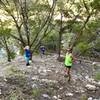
90, 98
91, 87
46, 96
69, 94
55, 97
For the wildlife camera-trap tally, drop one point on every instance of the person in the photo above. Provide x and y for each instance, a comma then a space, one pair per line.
68, 63
27, 55
42, 50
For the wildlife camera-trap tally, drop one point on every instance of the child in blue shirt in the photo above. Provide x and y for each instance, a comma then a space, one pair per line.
27, 55
42, 50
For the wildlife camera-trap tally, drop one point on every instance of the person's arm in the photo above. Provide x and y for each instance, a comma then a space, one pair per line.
24, 48
74, 58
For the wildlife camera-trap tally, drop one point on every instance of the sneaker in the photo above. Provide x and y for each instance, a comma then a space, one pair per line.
27, 64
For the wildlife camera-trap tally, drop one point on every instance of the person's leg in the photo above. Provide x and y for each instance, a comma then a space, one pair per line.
43, 52
27, 61
69, 75
66, 72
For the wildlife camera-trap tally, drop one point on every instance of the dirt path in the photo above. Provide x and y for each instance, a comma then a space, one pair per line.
44, 80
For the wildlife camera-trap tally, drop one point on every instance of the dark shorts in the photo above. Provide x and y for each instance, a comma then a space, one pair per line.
68, 66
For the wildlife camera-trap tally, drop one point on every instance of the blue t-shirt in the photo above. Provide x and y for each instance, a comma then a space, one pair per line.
42, 48
27, 53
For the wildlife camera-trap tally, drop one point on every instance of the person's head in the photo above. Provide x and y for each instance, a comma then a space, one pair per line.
69, 50
27, 47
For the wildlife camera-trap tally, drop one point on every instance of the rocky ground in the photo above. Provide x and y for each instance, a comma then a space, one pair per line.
44, 80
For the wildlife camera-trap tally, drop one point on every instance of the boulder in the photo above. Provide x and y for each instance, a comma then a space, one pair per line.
91, 87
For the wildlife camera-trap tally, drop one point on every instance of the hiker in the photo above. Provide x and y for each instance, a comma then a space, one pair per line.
42, 50
27, 55
68, 63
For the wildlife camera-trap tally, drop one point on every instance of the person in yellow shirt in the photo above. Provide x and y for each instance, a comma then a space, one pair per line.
68, 63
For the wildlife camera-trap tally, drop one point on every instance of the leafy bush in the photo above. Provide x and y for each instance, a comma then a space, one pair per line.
12, 55
82, 47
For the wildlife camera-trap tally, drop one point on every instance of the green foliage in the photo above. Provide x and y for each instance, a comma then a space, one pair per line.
97, 45
51, 41
97, 76
74, 13
5, 32
39, 6
12, 55
68, 39
89, 38
5, 40
21, 51
60, 4
76, 26
36, 92
96, 4
82, 47
84, 97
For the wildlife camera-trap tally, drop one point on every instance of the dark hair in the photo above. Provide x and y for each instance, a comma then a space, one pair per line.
69, 50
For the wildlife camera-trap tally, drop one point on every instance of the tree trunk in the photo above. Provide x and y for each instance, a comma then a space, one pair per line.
24, 13
8, 55
7, 50
60, 38
59, 44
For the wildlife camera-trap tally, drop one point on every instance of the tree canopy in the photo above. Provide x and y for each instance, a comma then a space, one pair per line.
32, 22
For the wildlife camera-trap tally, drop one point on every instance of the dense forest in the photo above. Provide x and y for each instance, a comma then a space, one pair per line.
56, 24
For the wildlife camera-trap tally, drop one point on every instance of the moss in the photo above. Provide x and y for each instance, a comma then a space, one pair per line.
97, 76
84, 97
36, 92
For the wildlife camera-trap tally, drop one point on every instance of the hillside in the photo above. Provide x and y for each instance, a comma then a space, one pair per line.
44, 80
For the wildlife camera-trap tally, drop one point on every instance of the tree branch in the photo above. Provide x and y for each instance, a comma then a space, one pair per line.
46, 21
15, 21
